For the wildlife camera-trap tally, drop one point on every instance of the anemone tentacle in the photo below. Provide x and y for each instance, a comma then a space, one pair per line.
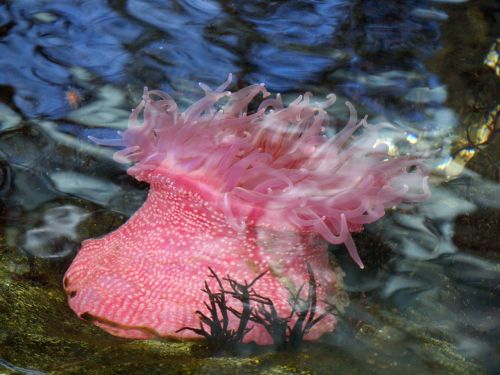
276, 157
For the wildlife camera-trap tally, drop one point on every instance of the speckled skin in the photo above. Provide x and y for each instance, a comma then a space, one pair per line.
144, 280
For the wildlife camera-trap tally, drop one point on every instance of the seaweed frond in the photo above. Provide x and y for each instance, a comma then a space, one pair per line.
286, 332
214, 326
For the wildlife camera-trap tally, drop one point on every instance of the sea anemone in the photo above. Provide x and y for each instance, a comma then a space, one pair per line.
241, 193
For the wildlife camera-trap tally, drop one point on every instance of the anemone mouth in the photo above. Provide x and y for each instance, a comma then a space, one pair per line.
277, 159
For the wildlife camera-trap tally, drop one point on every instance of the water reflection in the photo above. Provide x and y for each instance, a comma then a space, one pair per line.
57, 236
53, 181
19, 370
46, 40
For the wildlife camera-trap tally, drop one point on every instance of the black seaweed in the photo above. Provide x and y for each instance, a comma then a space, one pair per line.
287, 332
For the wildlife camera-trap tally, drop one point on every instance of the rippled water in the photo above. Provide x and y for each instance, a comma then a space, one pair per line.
429, 298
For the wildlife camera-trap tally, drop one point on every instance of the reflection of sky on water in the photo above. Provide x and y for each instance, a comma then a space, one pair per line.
59, 223
372, 58
369, 54
47, 39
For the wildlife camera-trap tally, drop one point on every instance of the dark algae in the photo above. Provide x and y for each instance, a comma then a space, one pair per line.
287, 333
220, 337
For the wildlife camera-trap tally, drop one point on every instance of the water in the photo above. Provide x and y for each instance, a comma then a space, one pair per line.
428, 300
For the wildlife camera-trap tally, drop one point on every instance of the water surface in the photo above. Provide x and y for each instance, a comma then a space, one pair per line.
428, 300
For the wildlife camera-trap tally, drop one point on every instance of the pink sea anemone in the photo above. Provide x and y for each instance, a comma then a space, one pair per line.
240, 193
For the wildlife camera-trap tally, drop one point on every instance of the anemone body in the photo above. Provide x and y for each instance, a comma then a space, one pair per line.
144, 280
239, 193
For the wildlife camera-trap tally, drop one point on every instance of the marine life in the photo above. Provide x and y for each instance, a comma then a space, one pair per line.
73, 98
240, 192
214, 326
